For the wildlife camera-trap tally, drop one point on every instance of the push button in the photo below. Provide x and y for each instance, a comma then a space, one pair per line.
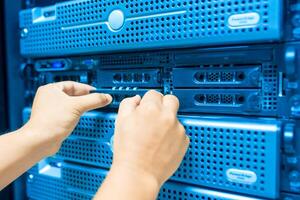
116, 20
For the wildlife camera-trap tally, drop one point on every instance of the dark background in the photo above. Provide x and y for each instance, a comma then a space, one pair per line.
3, 118
7, 192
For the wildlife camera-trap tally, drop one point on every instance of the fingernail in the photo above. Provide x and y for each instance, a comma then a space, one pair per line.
93, 88
138, 97
108, 97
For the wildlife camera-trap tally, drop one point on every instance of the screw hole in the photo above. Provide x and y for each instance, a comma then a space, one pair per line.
241, 76
240, 99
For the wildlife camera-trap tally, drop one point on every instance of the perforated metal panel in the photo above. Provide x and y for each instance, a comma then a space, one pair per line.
82, 183
221, 146
221, 152
89, 152
135, 59
41, 187
270, 88
185, 192
90, 141
217, 75
89, 26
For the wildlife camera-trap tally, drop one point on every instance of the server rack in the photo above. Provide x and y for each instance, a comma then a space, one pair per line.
233, 64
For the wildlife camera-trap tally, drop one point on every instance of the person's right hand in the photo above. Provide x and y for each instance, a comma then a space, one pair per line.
56, 110
149, 140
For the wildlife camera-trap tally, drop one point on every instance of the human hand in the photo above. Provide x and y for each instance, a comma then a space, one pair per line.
149, 140
56, 110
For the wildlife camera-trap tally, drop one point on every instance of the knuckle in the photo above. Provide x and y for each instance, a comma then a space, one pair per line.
153, 92
172, 98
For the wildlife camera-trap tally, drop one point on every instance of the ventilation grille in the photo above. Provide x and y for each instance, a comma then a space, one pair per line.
218, 146
90, 141
270, 89
219, 77
85, 179
89, 152
84, 182
221, 99
47, 188
134, 59
82, 27
183, 192
95, 126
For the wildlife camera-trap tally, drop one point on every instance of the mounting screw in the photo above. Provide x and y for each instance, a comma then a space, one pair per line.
30, 178
24, 32
294, 177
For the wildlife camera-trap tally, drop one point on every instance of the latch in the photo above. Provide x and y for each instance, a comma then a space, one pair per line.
290, 60
288, 138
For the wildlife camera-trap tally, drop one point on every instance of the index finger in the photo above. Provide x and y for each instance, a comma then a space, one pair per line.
72, 88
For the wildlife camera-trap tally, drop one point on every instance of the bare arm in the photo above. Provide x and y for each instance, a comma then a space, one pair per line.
55, 112
149, 145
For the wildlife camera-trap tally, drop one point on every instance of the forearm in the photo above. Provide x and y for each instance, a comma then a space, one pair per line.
20, 150
127, 184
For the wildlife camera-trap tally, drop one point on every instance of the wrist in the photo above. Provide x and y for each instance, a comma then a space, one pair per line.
136, 177
38, 140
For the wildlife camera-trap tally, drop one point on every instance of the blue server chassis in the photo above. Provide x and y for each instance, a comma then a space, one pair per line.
240, 104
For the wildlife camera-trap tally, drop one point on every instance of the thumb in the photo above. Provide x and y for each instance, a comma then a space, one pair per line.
91, 101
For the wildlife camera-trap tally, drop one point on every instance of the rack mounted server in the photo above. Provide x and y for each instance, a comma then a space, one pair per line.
233, 64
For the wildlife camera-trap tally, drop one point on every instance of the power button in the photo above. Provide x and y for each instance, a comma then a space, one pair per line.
116, 20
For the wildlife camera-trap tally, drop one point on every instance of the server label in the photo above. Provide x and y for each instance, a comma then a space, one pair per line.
241, 176
243, 20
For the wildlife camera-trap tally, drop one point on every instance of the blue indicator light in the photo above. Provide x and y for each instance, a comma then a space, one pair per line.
57, 64
88, 62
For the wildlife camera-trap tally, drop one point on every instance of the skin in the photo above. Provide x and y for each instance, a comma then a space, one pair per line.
149, 141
